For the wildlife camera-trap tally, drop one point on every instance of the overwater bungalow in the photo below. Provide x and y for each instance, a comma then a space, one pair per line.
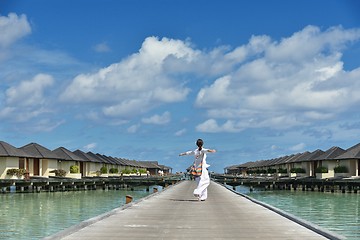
42, 160
93, 164
67, 160
309, 163
327, 161
335, 162
12, 158
350, 160
35, 160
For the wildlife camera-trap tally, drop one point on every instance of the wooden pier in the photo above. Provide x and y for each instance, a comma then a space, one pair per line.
54, 184
344, 185
175, 214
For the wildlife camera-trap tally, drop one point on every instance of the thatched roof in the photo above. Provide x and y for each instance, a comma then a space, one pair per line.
306, 156
351, 153
65, 154
96, 158
149, 164
38, 151
331, 153
85, 156
7, 150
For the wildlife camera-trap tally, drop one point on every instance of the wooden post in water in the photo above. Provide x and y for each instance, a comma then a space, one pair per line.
128, 199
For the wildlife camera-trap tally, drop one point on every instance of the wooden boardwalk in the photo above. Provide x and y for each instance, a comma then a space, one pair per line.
175, 214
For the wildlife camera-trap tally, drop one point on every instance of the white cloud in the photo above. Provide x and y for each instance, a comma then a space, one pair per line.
298, 147
45, 125
90, 146
27, 100
211, 126
180, 132
138, 82
133, 128
158, 119
29, 93
284, 84
12, 28
102, 47
18, 114
274, 147
263, 83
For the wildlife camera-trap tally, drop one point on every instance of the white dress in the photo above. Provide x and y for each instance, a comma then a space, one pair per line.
204, 180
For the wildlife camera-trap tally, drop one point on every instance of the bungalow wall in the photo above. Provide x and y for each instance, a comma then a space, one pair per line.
7, 163
330, 165
308, 168
121, 168
92, 168
65, 165
48, 165
352, 165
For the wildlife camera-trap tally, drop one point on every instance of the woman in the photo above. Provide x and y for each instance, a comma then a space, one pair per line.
199, 169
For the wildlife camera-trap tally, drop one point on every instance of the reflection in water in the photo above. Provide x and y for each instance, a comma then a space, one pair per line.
37, 215
337, 212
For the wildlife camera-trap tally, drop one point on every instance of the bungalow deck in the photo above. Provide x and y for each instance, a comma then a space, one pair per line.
344, 185
41, 184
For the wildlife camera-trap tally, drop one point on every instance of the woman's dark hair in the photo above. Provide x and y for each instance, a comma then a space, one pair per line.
199, 143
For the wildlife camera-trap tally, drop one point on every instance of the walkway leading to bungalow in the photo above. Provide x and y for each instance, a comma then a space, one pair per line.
175, 214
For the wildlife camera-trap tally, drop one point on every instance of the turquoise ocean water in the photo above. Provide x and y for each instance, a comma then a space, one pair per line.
337, 212
37, 215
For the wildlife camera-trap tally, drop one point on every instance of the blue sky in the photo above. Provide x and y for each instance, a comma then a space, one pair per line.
144, 79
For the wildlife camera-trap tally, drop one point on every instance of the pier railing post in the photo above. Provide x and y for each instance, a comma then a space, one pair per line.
128, 199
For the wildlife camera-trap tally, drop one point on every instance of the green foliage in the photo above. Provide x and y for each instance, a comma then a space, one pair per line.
271, 170
11, 171
297, 170
126, 171
15, 171
260, 171
321, 170
74, 169
113, 170
134, 170
103, 170
282, 170
341, 169
142, 170
250, 171
59, 172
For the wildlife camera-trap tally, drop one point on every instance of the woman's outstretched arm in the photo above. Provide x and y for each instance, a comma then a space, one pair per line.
187, 153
